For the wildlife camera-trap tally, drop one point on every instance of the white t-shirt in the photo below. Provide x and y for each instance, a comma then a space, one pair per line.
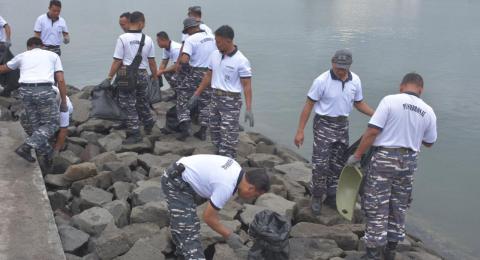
406, 121
199, 46
127, 47
36, 66
173, 52
228, 69
51, 32
213, 177
202, 27
3, 35
334, 97
64, 116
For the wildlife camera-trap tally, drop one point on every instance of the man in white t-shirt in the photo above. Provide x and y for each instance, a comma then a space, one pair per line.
229, 74
194, 61
216, 179
124, 21
5, 33
196, 13
397, 130
133, 99
38, 71
171, 51
333, 95
52, 28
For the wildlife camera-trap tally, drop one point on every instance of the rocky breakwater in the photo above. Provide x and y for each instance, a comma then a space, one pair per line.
108, 202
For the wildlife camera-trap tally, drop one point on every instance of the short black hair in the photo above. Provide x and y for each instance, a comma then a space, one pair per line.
137, 17
163, 35
196, 10
126, 15
55, 3
412, 78
34, 42
259, 179
225, 31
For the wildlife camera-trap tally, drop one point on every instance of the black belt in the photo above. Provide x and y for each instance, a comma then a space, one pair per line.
335, 118
220, 92
52, 46
200, 68
48, 84
397, 149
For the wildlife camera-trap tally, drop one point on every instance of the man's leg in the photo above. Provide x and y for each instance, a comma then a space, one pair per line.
127, 102
230, 114
203, 106
215, 122
184, 222
142, 105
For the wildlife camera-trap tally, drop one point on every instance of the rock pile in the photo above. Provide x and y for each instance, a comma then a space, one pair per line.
108, 202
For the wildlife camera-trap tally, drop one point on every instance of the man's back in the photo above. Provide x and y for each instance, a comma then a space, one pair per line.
127, 47
199, 46
36, 65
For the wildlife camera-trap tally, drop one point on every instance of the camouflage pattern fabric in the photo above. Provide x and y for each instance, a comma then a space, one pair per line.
330, 141
224, 126
184, 222
42, 114
387, 195
185, 90
135, 104
171, 79
53, 48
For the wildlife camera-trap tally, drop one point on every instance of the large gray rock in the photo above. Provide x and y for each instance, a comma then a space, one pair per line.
100, 159
111, 243
137, 231
176, 147
154, 212
149, 161
264, 160
93, 221
59, 199
258, 137
95, 125
91, 196
210, 237
57, 180
91, 137
72, 238
90, 152
276, 204
102, 180
145, 146
143, 250
76, 149
419, 254
80, 171
346, 239
228, 212
111, 142
120, 211
129, 159
296, 171
77, 140
295, 191
63, 160
223, 251
288, 155
122, 190
147, 191
327, 217
246, 145
313, 248
82, 109
265, 148
248, 214
121, 173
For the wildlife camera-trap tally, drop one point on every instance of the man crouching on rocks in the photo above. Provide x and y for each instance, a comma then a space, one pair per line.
211, 177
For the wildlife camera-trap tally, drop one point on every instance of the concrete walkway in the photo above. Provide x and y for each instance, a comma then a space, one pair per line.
27, 226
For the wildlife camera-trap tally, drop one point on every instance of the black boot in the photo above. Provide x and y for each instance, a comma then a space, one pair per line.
372, 253
132, 139
24, 151
331, 201
202, 133
148, 129
390, 250
185, 131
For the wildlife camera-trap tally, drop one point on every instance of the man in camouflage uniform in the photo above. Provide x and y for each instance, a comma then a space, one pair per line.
206, 177
133, 99
400, 125
194, 62
38, 71
229, 74
333, 94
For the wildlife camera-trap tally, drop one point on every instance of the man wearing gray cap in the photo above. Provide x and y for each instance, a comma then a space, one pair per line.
332, 95
193, 62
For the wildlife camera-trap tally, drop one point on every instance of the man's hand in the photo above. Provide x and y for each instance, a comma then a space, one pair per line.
299, 137
193, 101
160, 72
63, 107
249, 117
66, 39
106, 83
353, 161
234, 241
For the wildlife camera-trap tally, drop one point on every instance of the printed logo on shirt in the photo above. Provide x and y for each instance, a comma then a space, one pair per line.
227, 164
414, 109
206, 40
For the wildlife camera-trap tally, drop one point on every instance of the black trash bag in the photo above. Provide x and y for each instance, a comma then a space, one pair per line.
9, 81
270, 232
105, 103
153, 91
171, 121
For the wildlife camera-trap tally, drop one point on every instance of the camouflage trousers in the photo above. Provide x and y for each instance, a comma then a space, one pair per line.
171, 78
387, 194
224, 126
185, 90
42, 115
330, 141
135, 104
54, 48
184, 222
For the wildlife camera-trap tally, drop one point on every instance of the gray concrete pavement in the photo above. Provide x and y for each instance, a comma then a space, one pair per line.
27, 226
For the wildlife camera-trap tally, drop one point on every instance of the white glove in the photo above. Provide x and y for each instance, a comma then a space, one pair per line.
66, 39
249, 117
353, 161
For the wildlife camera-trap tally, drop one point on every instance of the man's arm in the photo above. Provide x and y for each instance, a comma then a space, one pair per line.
204, 84
363, 108
247, 91
163, 65
36, 34
428, 145
116, 64
4, 69
210, 216
367, 140
8, 32
307, 109
61, 87
153, 67
177, 63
